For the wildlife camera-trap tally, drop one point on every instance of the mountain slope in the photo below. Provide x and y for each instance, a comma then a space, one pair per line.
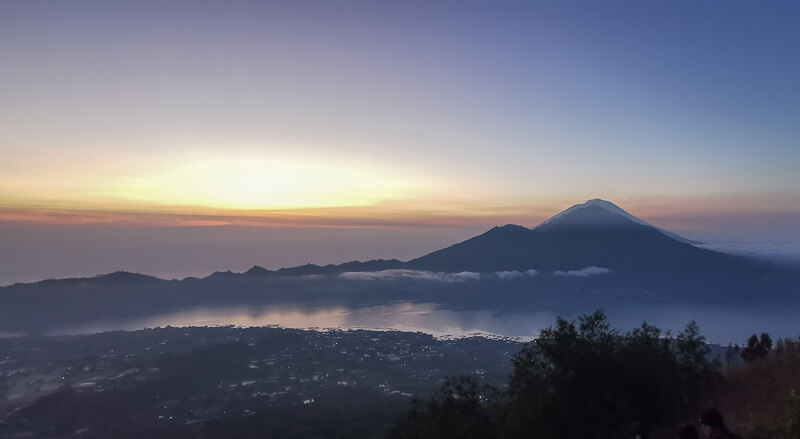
613, 208
590, 234
591, 255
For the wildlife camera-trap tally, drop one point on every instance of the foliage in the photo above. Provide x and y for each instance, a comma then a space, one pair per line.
757, 348
461, 408
578, 381
768, 392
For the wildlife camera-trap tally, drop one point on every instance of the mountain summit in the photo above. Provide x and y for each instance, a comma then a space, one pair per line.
594, 205
596, 233
600, 246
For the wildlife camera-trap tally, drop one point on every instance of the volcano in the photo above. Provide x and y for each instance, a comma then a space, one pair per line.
599, 237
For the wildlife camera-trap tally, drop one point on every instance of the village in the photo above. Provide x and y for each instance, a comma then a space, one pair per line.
196, 374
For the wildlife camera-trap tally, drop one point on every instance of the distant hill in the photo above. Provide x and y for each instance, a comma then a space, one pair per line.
596, 234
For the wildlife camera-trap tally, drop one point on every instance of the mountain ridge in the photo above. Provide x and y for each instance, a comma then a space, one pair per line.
596, 233
589, 256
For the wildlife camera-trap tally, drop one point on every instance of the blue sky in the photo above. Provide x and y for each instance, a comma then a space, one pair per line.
462, 113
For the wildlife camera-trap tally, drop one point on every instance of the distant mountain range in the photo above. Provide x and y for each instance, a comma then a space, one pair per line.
596, 233
592, 247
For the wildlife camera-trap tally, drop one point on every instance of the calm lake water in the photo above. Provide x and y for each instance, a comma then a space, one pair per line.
721, 325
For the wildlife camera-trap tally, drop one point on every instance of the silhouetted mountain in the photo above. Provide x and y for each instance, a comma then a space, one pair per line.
613, 208
590, 255
598, 237
256, 270
584, 235
127, 277
313, 269
596, 233
123, 278
223, 274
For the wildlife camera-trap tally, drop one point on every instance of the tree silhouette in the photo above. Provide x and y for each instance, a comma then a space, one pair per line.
757, 348
578, 381
461, 408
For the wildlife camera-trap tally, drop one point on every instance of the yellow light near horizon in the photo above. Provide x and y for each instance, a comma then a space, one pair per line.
258, 184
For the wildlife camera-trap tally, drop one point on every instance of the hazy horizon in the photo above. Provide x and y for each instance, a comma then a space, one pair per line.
34, 252
158, 137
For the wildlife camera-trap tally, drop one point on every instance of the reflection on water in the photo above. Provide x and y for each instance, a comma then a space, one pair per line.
722, 325
422, 317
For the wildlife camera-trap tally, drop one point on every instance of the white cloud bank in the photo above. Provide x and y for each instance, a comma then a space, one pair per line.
508, 275
434, 276
584, 272
412, 274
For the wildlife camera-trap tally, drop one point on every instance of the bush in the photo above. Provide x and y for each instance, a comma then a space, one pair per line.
461, 408
757, 348
576, 381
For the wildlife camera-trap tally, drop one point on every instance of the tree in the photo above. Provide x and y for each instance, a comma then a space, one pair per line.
757, 348
591, 381
461, 408
691, 349
577, 381
766, 343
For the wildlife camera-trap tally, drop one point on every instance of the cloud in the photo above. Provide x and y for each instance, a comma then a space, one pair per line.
584, 272
508, 275
786, 252
434, 276
412, 274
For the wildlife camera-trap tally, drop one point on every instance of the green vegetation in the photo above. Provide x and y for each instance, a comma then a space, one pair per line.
583, 379
757, 347
762, 398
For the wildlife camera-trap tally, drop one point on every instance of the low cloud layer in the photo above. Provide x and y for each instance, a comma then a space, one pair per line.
786, 253
508, 275
412, 274
584, 272
436, 276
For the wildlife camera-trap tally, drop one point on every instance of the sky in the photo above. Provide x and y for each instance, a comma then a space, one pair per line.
139, 134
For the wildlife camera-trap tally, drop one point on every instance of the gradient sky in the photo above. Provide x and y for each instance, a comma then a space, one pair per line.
137, 116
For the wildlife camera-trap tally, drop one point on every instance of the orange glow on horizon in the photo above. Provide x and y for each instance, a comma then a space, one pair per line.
669, 213
382, 216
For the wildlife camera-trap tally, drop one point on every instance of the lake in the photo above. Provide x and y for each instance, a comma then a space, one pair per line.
718, 324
